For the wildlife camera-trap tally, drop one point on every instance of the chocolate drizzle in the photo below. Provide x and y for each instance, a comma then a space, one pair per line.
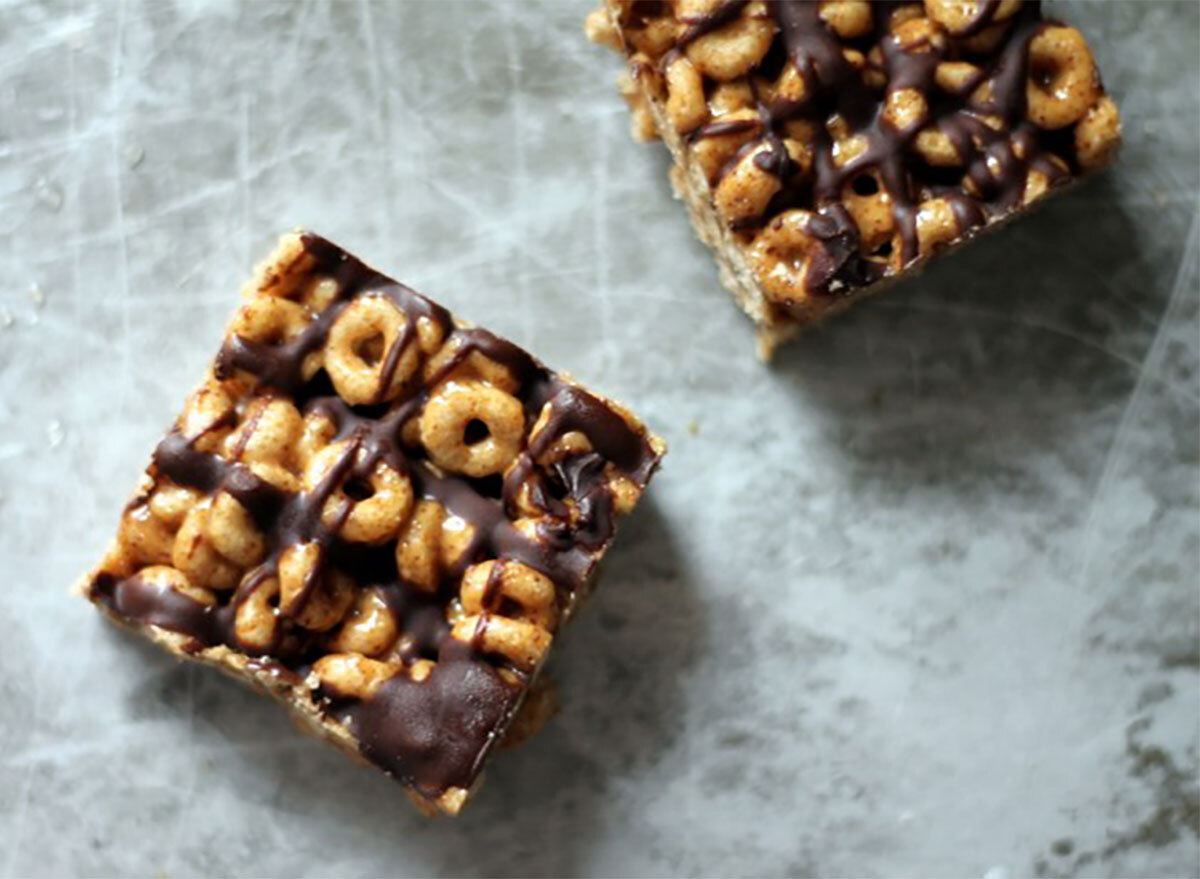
433, 734
996, 162
157, 605
437, 733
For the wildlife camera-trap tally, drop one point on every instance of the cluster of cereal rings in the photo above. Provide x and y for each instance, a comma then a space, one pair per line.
713, 97
203, 546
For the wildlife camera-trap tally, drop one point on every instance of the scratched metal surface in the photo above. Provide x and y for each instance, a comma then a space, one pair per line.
920, 599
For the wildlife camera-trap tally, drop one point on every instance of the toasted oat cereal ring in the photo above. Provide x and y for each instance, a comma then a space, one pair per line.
1036, 185
728, 97
801, 152
233, 532
961, 17
269, 431
846, 147
904, 12
363, 508
207, 416
800, 138
317, 432
905, 109
936, 148
194, 554
686, 106
418, 671
598, 27
299, 572
369, 629
457, 540
315, 595
564, 445
328, 604
746, 189
956, 77
276, 475
1098, 135
485, 586
521, 642
319, 294
919, 36
1038, 182
269, 320
685, 10
146, 538
870, 206
418, 551
166, 577
790, 86
256, 622
351, 675
781, 254
170, 503
625, 494
360, 354
849, 19
449, 364
1062, 84
937, 225
729, 133
731, 51
656, 37
472, 428
431, 544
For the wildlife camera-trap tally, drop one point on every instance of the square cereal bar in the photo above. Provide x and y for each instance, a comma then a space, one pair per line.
376, 513
827, 149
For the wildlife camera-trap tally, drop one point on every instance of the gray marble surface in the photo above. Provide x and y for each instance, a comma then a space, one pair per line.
921, 599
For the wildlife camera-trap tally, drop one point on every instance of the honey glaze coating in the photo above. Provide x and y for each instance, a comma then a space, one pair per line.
393, 509
831, 131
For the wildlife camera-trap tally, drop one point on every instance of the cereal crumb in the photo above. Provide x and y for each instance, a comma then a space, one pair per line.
49, 194
693, 427
1063, 847
6, 318
54, 433
36, 296
1160, 197
134, 155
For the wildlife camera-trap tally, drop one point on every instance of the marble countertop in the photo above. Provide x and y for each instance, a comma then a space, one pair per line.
920, 599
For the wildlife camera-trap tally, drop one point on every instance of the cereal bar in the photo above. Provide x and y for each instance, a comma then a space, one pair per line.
826, 149
376, 513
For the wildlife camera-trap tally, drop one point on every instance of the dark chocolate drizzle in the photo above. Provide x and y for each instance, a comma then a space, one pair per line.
154, 605
997, 162
436, 733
